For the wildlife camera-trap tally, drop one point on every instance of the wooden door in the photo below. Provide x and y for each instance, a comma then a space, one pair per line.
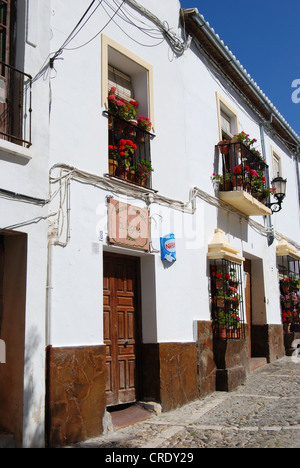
248, 302
121, 327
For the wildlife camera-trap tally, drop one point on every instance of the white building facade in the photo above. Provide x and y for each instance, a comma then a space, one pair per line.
100, 312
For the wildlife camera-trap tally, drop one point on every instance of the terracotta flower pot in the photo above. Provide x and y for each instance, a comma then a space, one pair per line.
221, 332
224, 146
112, 166
122, 172
286, 327
237, 182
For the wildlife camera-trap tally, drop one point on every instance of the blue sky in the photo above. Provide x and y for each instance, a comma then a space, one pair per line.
264, 37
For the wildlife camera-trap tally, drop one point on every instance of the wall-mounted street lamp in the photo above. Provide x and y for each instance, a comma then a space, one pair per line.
280, 184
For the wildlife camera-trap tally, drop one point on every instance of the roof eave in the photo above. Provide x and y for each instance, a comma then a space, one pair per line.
195, 25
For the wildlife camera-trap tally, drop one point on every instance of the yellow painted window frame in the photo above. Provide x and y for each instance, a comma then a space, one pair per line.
275, 154
106, 43
222, 104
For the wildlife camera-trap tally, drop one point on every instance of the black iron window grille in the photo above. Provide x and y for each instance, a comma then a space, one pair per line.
15, 105
289, 293
129, 152
227, 300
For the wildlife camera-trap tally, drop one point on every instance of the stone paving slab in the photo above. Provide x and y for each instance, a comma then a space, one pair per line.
262, 413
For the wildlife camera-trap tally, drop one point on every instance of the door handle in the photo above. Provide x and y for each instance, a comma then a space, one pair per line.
126, 343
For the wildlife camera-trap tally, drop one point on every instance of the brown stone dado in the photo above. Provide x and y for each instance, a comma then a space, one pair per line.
76, 399
170, 374
233, 363
205, 356
267, 341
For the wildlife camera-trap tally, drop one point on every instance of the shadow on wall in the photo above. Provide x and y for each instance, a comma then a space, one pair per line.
17, 389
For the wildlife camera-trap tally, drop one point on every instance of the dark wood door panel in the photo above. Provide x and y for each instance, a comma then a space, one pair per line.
120, 321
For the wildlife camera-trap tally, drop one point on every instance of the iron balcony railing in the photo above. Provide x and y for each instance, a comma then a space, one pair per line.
15, 105
289, 273
129, 151
226, 287
243, 169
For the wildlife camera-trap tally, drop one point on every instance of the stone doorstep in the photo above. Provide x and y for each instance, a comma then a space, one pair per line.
256, 363
140, 411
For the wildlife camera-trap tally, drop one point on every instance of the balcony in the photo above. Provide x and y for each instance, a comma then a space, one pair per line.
15, 105
242, 182
129, 154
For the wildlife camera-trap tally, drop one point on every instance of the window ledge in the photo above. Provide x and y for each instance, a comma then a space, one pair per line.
14, 153
245, 203
129, 184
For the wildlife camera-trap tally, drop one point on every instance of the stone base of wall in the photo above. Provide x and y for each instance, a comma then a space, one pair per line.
267, 341
172, 374
76, 399
233, 364
169, 374
205, 355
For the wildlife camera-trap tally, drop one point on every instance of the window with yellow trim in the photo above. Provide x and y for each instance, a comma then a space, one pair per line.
127, 94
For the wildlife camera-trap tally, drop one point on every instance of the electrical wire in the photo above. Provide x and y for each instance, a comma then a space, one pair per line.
74, 31
99, 32
68, 173
149, 31
128, 35
177, 45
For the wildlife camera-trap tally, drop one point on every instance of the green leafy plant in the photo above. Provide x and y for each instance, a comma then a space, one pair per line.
124, 152
122, 108
144, 123
142, 170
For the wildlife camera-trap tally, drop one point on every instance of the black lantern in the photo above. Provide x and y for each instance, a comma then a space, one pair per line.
280, 185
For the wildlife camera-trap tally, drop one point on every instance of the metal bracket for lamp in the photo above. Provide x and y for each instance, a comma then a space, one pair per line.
280, 184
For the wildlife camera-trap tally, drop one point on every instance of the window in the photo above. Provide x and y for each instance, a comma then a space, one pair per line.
6, 22
277, 166
129, 143
15, 85
226, 125
121, 82
227, 118
140, 73
227, 300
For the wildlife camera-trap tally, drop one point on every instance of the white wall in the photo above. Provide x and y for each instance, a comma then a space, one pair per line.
183, 152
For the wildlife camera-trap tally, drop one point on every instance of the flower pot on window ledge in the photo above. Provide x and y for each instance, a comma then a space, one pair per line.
234, 283
132, 129
237, 182
224, 146
221, 332
112, 166
123, 172
220, 301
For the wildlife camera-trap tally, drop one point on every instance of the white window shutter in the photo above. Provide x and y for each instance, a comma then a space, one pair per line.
226, 123
120, 81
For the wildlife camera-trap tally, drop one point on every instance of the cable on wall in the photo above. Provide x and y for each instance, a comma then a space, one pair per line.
68, 173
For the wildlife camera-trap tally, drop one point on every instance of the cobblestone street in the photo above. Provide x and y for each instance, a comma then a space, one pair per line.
262, 413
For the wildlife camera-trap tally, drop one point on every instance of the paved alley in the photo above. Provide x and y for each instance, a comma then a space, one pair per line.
262, 413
